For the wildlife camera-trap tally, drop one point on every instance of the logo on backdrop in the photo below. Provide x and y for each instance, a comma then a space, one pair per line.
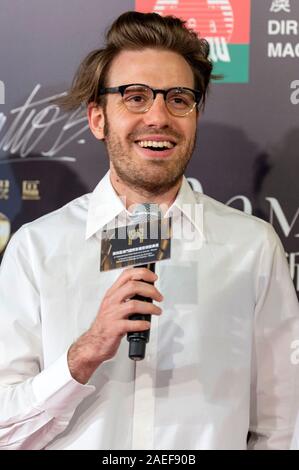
27, 130
30, 190
280, 5
224, 23
283, 31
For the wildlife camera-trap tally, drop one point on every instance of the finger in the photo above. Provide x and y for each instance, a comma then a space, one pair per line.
137, 306
132, 288
127, 326
136, 274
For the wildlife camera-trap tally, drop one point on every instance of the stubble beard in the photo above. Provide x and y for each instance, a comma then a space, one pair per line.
155, 178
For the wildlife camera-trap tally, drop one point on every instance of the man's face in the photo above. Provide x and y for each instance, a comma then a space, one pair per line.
127, 134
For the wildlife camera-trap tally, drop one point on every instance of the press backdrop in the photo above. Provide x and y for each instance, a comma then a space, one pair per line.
248, 139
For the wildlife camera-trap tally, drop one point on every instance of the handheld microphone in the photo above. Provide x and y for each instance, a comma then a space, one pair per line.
137, 340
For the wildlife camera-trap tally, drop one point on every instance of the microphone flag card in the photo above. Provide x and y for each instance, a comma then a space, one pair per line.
136, 244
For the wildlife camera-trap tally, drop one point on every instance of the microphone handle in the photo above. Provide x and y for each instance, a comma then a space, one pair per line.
137, 340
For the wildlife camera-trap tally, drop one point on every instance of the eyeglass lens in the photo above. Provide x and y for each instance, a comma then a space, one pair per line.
140, 98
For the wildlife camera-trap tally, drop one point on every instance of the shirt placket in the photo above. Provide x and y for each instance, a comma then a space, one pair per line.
144, 393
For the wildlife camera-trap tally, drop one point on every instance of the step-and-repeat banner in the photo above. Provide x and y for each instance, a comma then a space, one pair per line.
248, 138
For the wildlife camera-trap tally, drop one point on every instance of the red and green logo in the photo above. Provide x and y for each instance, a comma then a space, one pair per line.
224, 23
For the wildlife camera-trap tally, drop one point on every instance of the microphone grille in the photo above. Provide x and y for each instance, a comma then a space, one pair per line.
145, 212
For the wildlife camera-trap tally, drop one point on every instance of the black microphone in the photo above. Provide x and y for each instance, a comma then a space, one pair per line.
137, 340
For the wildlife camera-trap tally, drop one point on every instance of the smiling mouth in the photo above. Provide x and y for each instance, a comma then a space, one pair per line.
155, 145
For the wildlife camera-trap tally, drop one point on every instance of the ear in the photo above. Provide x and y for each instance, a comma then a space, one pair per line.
96, 120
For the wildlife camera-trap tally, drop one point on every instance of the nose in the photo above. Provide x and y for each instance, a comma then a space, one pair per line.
158, 114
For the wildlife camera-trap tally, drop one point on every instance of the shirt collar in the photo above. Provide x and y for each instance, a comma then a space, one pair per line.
186, 203
105, 204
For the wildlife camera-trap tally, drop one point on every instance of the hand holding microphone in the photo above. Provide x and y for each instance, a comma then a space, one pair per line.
126, 309
101, 341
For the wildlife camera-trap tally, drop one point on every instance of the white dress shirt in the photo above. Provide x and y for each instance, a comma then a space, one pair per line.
218, 360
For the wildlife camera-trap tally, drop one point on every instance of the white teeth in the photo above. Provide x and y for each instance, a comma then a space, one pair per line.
157, 144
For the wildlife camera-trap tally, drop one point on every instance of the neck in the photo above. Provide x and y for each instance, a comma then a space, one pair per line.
137, 196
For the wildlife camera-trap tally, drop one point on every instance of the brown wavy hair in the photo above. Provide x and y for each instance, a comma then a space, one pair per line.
135, 31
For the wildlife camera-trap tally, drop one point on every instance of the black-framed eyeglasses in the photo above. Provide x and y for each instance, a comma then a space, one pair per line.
138, 98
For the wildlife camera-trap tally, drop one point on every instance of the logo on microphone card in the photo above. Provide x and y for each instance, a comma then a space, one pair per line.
136, 244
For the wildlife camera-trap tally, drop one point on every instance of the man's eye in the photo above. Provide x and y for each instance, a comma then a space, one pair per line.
136, 98
178, 100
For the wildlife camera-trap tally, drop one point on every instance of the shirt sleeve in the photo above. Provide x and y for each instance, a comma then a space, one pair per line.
275, 377
36, 403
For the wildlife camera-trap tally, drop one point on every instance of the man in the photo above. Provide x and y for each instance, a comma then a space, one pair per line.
218, 361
